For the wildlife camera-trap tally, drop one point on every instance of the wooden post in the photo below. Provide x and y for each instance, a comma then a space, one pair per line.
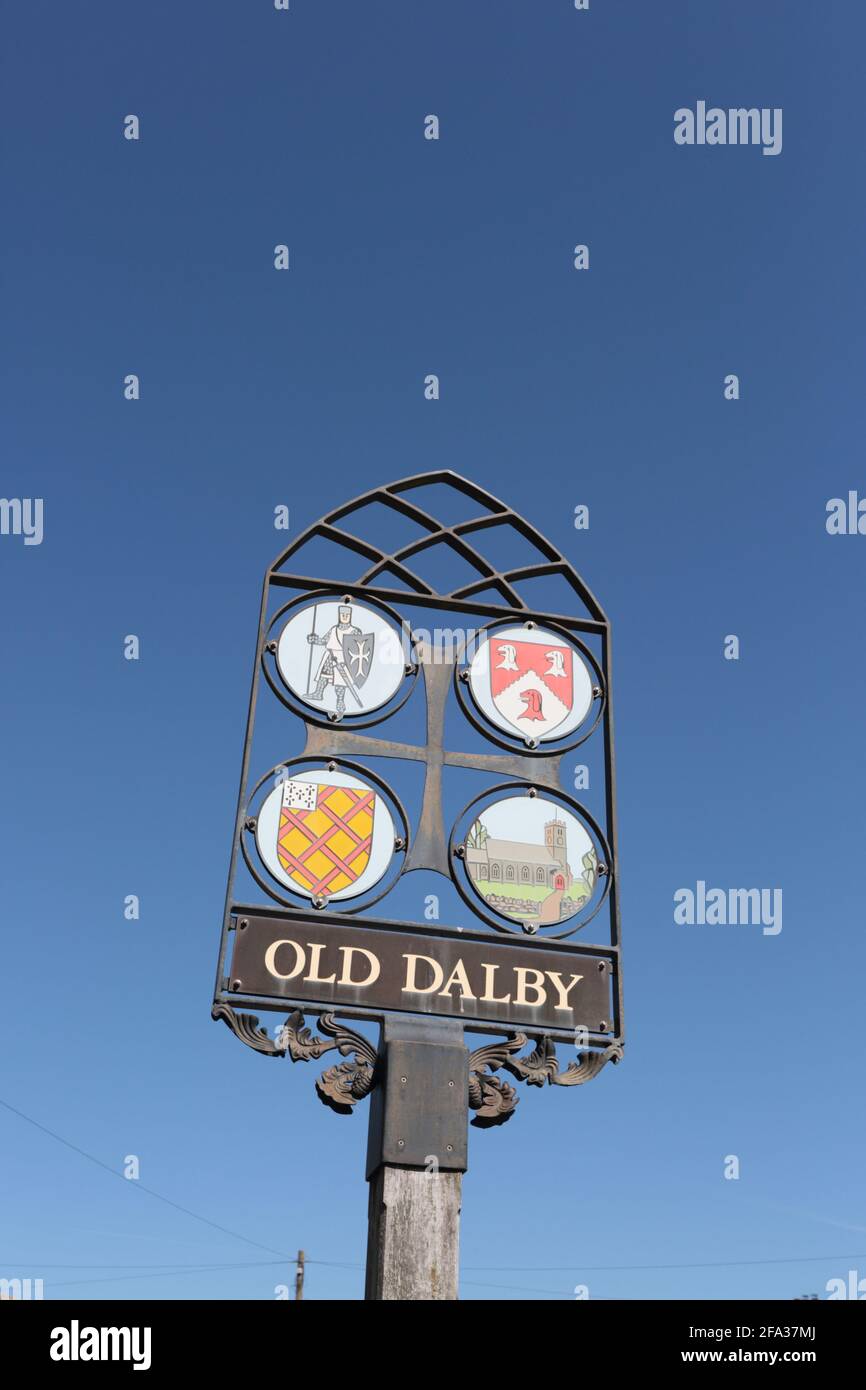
299, 1277
416, 1157
414, 1235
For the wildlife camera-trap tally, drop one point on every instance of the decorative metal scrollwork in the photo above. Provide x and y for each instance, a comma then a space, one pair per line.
343, 1085
494, 1100
246, 1027
340, 1087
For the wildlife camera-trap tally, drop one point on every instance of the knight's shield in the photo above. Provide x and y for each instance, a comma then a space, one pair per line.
325, 834
531, 684
358, 656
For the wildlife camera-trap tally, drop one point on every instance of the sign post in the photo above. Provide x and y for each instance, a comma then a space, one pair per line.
323, 836
416, 1157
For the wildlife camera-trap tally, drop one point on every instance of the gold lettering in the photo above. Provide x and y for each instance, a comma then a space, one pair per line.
563, 991
411, 986
313, 977
459, 977
523, 984
347, 952
488, 997
271, 960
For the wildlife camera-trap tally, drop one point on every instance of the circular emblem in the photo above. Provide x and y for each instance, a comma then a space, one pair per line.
531, 861
325, 835
531, 682
342, 658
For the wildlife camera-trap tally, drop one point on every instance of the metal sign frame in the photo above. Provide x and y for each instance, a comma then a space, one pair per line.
328, 740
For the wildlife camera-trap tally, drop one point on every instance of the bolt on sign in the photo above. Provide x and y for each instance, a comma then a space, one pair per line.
364, 669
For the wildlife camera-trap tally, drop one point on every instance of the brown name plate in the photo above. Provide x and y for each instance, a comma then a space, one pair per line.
533, 986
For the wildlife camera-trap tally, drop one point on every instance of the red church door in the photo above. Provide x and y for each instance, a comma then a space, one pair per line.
559, 881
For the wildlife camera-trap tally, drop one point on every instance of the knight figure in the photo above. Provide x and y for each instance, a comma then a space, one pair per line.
346, 660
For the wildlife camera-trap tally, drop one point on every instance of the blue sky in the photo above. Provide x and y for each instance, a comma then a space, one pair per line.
558, 388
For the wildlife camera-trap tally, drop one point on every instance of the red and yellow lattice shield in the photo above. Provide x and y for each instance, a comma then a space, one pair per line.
325, 834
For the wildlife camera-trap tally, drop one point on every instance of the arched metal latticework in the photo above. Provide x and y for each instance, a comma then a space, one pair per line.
464, 539
388, 540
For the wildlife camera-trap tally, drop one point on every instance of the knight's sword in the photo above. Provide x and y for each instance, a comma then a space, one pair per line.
348, 680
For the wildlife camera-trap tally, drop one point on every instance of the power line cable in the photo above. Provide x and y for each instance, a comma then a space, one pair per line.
703, 1264
516, 1288
188, 1269
140, 1185
337, 1264
167, 1267
164, 1274
210, 1269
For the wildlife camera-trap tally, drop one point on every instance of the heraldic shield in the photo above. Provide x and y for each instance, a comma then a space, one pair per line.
358, 655
532, 684
325, 834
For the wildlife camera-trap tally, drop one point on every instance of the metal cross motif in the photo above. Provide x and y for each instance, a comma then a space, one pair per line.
429, 846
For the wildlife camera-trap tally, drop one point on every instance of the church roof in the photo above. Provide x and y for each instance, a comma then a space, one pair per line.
515, 849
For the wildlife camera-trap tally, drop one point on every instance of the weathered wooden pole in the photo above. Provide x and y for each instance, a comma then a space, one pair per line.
416, 1158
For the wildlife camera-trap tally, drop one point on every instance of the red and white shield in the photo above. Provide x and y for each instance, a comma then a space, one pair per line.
531, 684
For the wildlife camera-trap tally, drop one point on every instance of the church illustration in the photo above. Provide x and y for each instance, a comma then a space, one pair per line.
513, 863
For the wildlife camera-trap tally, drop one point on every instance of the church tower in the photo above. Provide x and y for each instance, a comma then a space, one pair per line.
554, 839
